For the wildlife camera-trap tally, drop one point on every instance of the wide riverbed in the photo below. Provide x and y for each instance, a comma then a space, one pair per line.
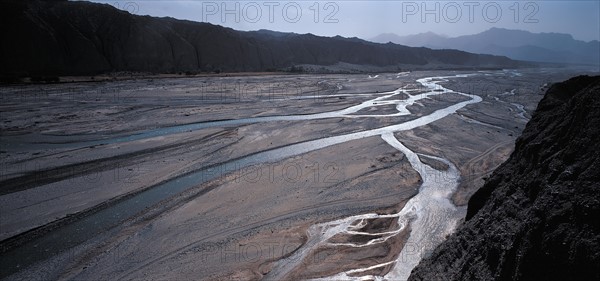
75, 172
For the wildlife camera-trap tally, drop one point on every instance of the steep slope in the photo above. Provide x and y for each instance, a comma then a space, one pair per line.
74, 37
536, 218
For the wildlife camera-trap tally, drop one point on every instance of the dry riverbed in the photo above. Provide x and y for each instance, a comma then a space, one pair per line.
69, 150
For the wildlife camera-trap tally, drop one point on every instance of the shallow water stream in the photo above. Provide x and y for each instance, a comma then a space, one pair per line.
435, 215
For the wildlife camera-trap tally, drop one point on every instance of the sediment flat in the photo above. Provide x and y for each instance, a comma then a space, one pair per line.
70, 150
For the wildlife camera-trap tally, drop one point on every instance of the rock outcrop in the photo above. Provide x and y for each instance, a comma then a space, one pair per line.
75, 38
538, 216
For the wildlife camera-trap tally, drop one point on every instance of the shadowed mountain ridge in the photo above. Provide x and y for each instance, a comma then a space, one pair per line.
76, 38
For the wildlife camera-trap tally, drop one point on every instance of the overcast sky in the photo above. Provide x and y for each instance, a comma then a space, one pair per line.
366, 19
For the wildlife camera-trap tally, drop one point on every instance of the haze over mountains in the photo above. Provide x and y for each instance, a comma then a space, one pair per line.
515, 44
80, 38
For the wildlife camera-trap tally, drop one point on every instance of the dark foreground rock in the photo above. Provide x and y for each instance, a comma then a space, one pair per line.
538, 216
76, 38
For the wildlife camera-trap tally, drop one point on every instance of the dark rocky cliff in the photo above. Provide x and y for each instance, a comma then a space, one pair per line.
60, 37
538, 216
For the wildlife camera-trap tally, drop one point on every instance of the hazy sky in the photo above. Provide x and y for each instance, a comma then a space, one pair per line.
366, 19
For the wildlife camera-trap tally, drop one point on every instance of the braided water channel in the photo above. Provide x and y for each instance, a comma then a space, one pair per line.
434, 214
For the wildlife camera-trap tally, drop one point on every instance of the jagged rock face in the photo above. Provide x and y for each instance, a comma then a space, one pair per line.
61, 37
538, 216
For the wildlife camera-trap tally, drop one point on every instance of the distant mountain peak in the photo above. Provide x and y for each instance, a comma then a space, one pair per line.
431, 33
425, 39
513, 43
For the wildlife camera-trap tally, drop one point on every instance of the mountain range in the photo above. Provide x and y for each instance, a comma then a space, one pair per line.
62, 37
515, 44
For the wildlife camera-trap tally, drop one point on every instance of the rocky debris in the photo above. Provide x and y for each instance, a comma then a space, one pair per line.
537, 217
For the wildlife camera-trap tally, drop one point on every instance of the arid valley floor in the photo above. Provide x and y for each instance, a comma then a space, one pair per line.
273, 176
